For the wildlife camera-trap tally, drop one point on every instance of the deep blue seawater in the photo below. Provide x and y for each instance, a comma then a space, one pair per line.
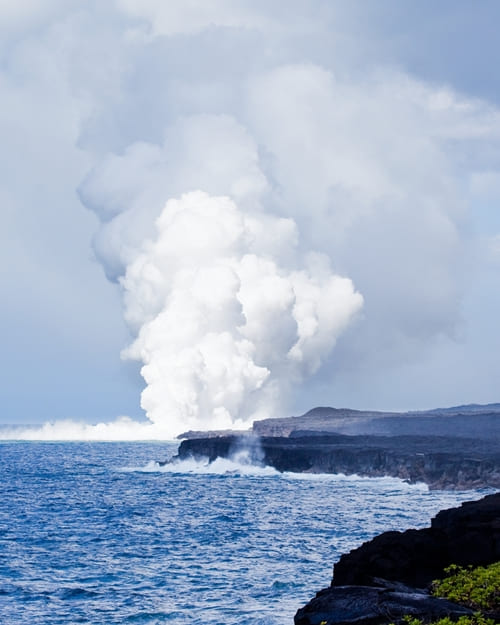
96, 533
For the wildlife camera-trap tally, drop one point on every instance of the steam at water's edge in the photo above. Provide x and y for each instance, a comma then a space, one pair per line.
323, 130
224, 327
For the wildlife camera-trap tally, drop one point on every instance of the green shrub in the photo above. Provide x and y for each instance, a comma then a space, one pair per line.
477, 588
475, 619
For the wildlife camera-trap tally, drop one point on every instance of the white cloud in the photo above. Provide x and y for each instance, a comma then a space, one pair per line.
127, 191
493, 248
370, 169
15, 15
191, 16
135, 103
364, 169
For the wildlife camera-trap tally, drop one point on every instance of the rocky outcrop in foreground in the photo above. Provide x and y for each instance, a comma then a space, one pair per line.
372, 605
466, 535
441, 462
386, 578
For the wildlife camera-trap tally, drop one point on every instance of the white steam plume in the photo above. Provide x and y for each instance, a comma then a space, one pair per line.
224, 327
300, 114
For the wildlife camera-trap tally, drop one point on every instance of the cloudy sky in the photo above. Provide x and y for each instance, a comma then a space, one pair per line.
265, 206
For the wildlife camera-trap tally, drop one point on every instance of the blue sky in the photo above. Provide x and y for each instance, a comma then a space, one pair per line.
358, 141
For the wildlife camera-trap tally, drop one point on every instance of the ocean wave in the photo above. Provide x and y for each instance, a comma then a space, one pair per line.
240, 465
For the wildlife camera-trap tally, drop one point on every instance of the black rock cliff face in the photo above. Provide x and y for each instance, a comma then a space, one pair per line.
466, 535
385, 578
440, 462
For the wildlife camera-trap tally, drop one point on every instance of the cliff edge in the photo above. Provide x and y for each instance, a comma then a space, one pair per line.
388, 577
440, 462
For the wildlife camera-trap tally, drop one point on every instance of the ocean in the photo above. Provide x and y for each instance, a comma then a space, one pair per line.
99, 533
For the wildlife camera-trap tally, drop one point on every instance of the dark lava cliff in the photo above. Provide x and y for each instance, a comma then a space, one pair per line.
440, 462
450, 448
387, 577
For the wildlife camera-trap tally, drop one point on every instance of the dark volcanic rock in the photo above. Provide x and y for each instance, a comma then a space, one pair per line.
221, 447
466, 535
440, 462
211, 448
373, 584
449, 448
368, 605
472, 531
414, 557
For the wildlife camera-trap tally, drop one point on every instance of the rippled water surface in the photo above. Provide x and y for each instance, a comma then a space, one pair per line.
97, 533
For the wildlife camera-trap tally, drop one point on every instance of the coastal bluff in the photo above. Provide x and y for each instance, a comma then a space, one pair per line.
388, 577
470, 421
451, 448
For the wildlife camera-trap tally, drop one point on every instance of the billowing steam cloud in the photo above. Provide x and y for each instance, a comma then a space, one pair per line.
229, 307
224, 328
259, 176
229, 311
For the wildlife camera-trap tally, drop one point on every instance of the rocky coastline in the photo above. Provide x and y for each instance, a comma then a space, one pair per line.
455, 448
439, 462
389, 577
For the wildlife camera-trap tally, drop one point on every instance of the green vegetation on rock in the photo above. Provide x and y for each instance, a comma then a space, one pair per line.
475, 619
477, 588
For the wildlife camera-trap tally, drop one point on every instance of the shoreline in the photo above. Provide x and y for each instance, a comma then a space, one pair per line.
455, 448
442, 463
390, 576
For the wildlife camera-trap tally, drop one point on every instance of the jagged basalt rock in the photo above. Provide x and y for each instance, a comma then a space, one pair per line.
374, 584
369, 605
466, 535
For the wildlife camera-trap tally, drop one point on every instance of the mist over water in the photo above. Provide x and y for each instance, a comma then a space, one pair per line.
121, 429
100, 533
